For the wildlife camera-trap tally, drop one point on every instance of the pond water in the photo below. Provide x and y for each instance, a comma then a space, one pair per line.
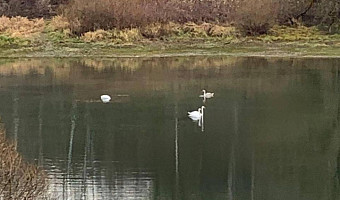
271, 132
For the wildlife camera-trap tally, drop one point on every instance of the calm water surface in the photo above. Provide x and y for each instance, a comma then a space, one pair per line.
270, 133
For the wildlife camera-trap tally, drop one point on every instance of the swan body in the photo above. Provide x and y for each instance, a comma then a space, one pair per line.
207, 94
105, 98
197, 114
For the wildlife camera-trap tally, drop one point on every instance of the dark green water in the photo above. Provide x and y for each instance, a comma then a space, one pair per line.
270, 133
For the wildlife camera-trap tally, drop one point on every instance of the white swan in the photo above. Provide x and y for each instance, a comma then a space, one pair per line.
196, 115
207, 94
105, 98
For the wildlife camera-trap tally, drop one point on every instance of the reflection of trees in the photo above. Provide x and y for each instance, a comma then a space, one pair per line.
18, 179
297, 133
274, 123
70, 148
15, 118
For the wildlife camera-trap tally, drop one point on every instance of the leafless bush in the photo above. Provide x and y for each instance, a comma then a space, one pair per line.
89, 15
18, 179
291, 9
325, 14
310, 12
29, 8
255, 17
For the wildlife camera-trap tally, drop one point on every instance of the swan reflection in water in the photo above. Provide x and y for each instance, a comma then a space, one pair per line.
198, 116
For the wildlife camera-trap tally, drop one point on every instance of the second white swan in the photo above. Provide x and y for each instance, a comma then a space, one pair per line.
207, 94
196, 115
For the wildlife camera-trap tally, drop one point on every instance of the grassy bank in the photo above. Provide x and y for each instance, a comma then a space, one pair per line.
20, 37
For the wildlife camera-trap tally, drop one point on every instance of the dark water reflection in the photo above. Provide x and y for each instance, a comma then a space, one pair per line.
271, 131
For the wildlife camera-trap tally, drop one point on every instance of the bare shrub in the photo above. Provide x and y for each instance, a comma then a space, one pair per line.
325, 14
43, 7
89, 15
30, 8
18, 179
256, 17
3, 7
21, 26
59, 23
290, 9
33, 8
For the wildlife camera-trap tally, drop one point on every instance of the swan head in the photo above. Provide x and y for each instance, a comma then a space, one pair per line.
202, 107
203, 91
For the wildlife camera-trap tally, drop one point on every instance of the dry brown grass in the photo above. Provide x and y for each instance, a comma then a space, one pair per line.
200, 30
115, 36
222, 31
21, 27
59, 23
18, 179
129, 35
97, 36
157, 30
190, 29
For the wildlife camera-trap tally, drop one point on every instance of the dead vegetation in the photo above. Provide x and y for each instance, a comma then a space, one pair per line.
59, 23
256, 17
18, 179
114, 36
89, 15
160, 31
21, 27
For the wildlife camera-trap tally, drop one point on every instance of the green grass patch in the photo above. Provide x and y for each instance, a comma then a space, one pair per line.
295, 34
62, 37
6, 41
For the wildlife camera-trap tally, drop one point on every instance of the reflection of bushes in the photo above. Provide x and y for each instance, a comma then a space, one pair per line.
18, 179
